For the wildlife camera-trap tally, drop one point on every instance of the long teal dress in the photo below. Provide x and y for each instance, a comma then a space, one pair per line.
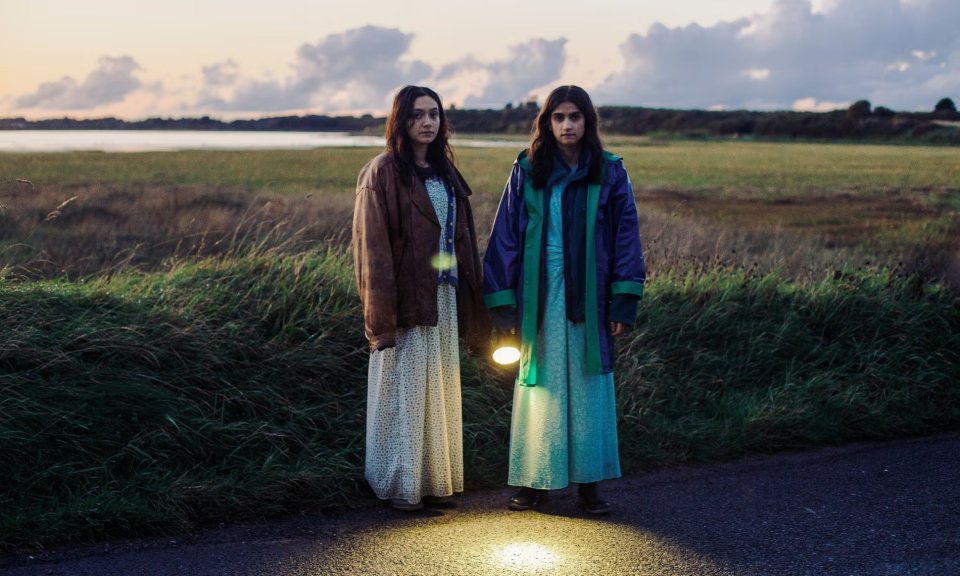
564, 429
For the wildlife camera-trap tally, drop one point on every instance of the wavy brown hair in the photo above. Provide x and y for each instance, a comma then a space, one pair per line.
544, 148
439, 152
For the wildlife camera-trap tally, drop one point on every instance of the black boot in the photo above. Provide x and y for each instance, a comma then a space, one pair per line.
590, 499
527, 498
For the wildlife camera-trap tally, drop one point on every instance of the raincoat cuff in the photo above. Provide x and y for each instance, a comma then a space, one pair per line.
627, 287
501, 298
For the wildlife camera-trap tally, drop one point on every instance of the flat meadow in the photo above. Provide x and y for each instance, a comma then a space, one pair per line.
183, 345
786, 206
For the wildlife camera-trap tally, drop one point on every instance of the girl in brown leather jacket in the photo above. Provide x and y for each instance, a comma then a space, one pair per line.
418, 275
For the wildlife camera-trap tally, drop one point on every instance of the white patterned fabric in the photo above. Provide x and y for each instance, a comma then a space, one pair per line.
414, 443
443, 204
564, 429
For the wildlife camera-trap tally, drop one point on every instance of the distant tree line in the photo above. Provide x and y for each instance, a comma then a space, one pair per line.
312, 123
860, 121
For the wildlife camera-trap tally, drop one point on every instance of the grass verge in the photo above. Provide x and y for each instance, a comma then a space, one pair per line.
233, 389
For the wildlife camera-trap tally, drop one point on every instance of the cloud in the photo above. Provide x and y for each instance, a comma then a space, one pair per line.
112, 81
813, 105
903, 54
220, 74
528, 66
360, 69
354, 70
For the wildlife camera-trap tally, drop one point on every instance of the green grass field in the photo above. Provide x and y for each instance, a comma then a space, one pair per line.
182, 343
770, 170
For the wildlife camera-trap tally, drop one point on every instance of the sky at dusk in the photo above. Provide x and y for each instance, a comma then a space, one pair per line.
245, 59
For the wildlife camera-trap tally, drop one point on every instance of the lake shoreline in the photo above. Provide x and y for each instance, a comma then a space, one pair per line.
32, 141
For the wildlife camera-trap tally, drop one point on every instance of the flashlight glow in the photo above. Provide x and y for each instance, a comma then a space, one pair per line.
526, 558
506, 355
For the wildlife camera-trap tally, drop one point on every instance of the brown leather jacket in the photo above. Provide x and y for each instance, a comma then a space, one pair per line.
395, 235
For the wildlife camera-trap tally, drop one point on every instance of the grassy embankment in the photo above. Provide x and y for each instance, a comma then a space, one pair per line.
182, 343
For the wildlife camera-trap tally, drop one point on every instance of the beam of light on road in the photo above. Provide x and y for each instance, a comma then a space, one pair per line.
486, 539
525, 557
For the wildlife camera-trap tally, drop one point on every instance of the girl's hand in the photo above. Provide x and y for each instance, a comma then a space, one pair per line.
617, 328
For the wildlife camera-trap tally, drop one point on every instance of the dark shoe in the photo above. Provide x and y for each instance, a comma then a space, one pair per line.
528, 498
440, 501
400, 504
590, 499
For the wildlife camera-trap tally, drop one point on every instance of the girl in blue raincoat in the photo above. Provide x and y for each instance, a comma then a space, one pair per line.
564, 269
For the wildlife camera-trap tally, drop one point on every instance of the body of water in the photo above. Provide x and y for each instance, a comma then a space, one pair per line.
165, 140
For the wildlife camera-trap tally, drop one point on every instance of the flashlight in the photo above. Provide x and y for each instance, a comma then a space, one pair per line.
506, 348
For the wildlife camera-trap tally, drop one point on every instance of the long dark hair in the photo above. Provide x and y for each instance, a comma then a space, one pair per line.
439, 153
544, 148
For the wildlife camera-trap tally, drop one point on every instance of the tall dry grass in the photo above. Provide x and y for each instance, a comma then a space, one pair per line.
72, 231
804, 210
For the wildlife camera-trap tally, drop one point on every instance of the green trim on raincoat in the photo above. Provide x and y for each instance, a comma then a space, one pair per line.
627, 287
532, 245
502, 298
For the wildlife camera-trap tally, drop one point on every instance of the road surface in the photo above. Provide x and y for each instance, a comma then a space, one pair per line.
871, 509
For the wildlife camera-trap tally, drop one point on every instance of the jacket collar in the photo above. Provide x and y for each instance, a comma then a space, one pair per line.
523, 160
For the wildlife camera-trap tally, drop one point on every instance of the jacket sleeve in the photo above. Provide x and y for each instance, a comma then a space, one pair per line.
373, 260
629, 269
502, 260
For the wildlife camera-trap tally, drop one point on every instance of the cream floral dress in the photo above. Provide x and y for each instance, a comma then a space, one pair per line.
414, 443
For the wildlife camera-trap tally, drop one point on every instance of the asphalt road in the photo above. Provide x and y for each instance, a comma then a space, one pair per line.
872, 509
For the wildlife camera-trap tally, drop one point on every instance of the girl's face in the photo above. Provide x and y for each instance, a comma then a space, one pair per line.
568, 125
424, 121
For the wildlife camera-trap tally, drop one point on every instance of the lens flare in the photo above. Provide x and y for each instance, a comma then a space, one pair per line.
443, 261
